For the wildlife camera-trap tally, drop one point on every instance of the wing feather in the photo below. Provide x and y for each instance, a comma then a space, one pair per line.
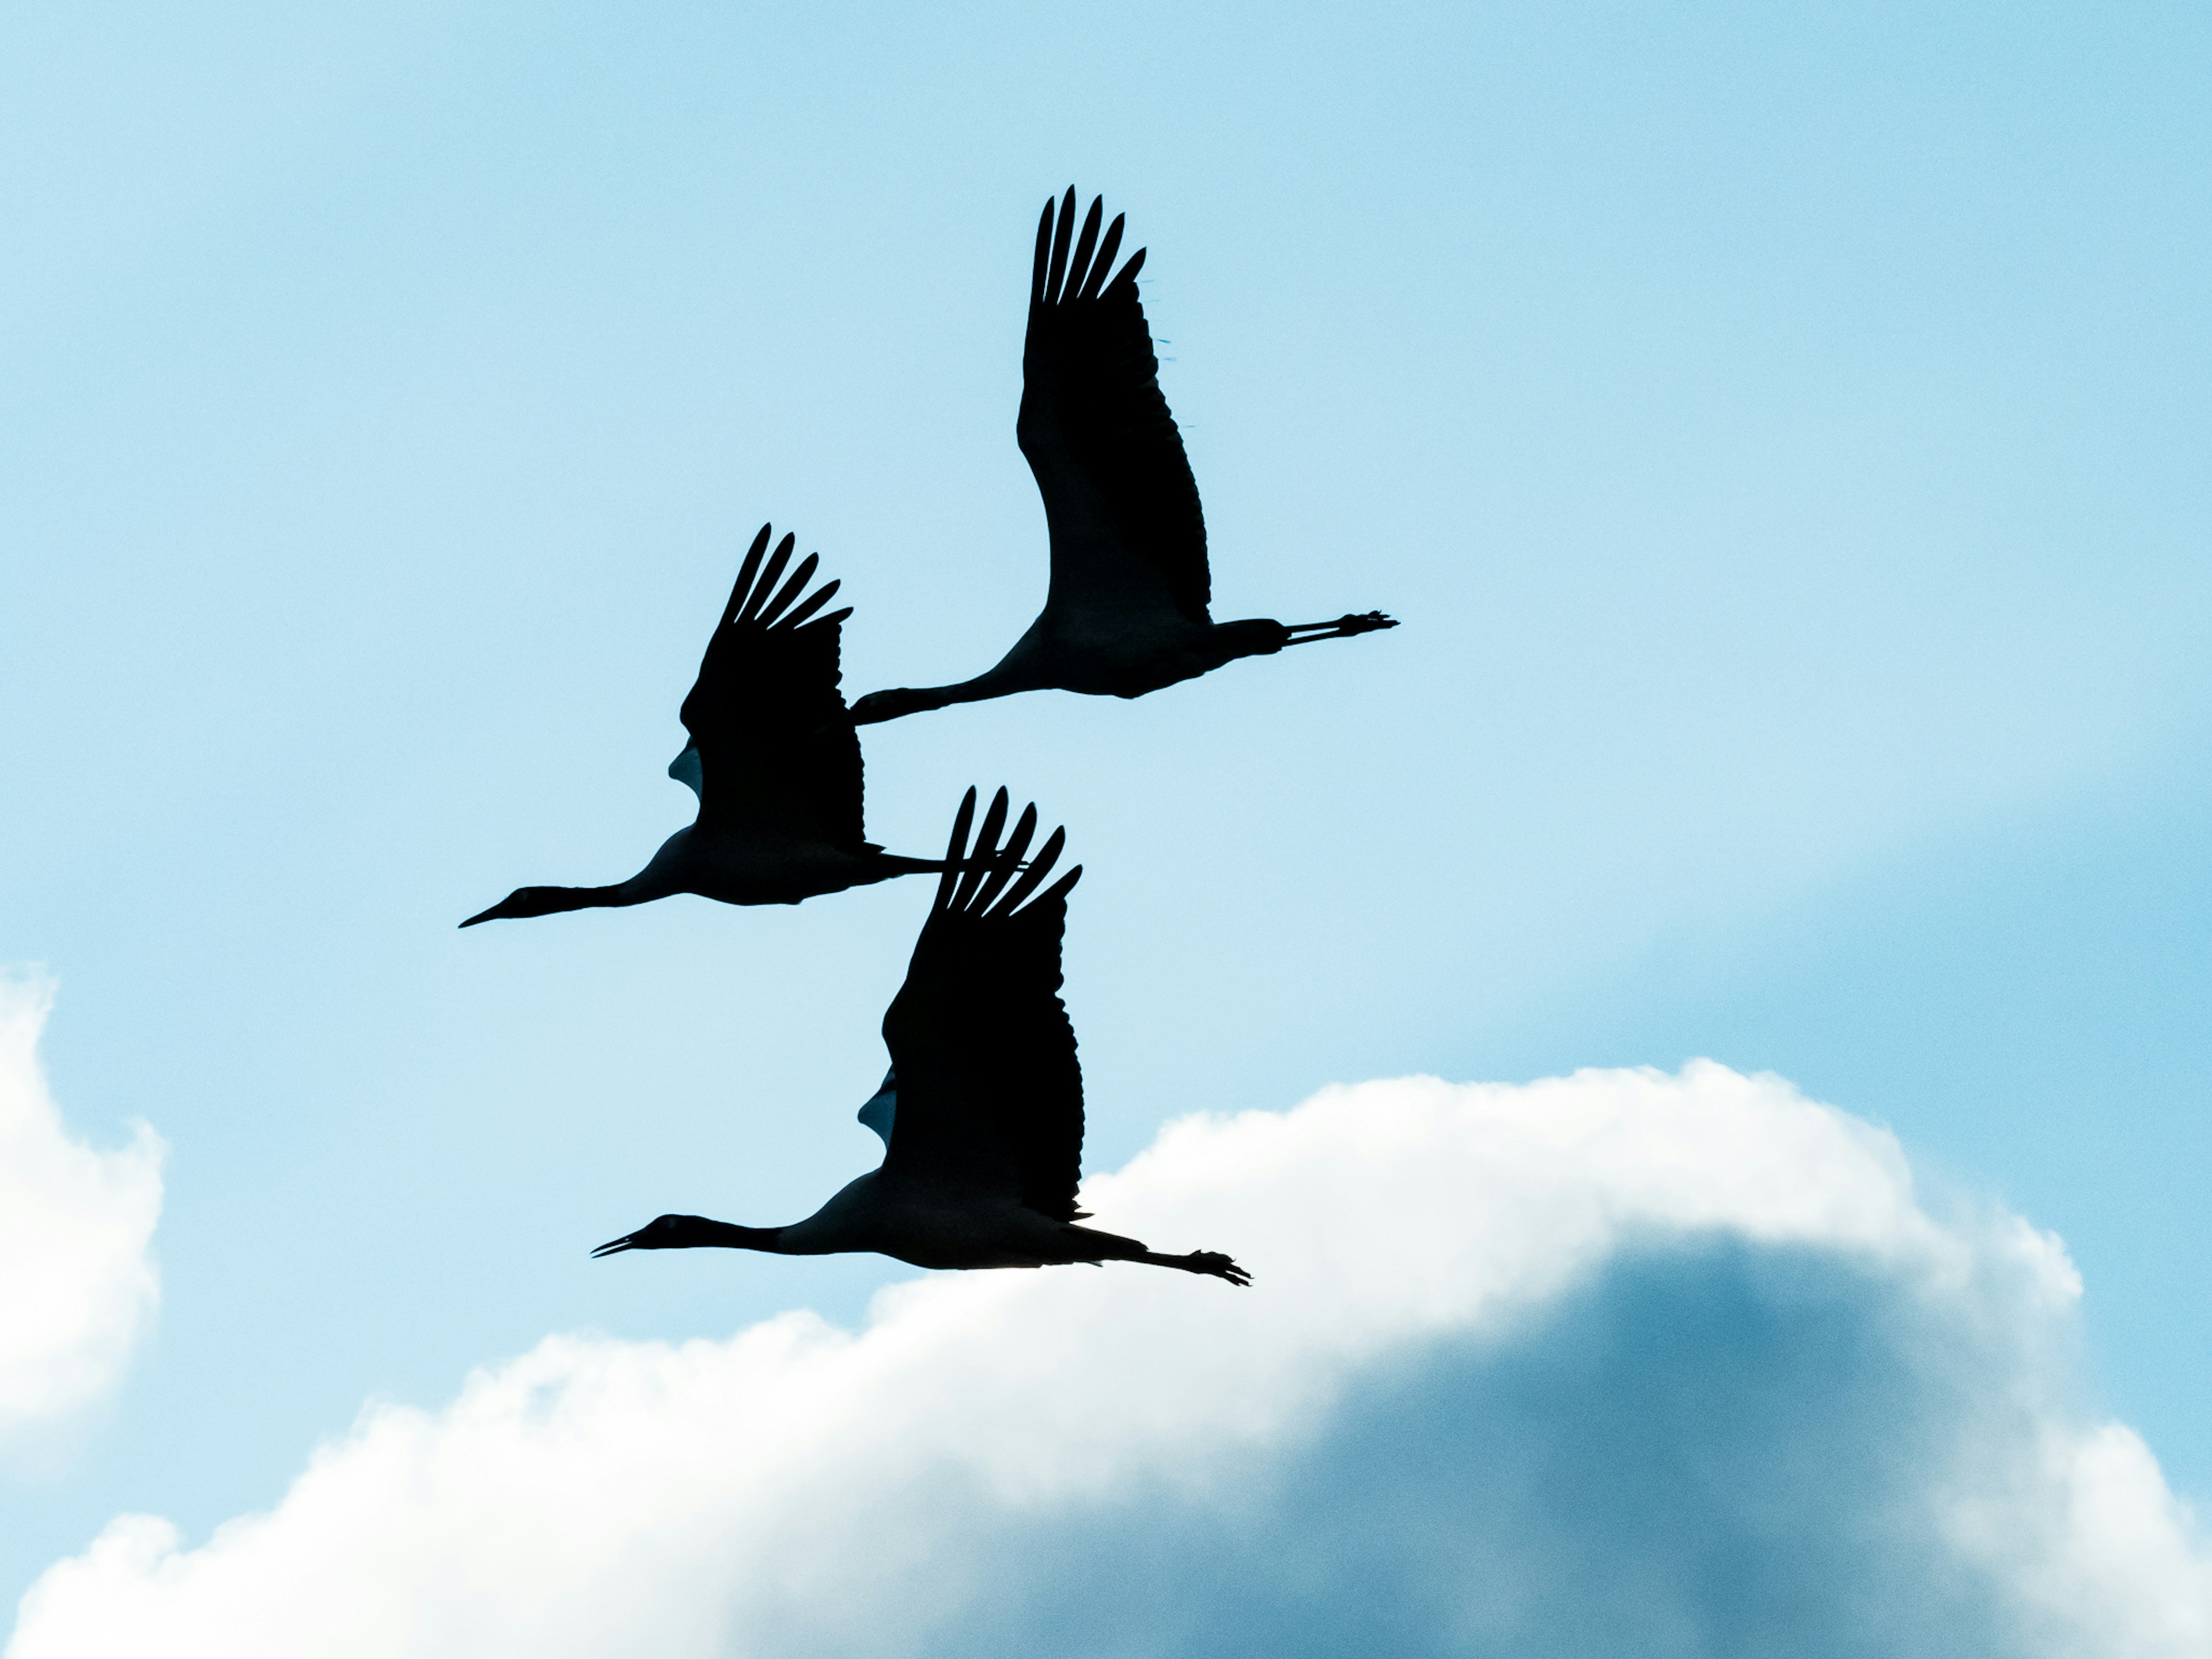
1127, 530
792, 589
778, 755
990, 1091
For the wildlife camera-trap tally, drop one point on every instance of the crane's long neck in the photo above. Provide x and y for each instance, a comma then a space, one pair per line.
904, 700
1024, 668
704, 1234
552, 901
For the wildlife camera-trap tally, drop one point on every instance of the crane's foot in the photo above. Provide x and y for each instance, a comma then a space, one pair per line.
1213, 1264
1342, 628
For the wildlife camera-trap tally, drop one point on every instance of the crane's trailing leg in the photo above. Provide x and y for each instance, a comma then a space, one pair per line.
1091, 1245
1342, 628
1212, 1263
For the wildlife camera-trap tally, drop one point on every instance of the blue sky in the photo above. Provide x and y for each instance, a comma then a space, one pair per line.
1782, 437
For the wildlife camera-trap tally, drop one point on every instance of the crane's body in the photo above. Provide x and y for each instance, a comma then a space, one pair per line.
773, 761
916, 1222
1128, 609
731, 869
1099, 653
981, 1114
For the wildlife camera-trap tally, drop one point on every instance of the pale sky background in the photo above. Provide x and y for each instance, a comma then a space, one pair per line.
1782, 437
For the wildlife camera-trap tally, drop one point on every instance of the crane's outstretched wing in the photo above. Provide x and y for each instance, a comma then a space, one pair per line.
772, 748
990, 1096
1127, 532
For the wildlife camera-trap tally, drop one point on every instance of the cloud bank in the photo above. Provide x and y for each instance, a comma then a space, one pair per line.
1619, 1363
76, 1280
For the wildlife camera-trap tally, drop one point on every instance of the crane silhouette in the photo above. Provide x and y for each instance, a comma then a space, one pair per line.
981, 1112
1127, 611
773, 758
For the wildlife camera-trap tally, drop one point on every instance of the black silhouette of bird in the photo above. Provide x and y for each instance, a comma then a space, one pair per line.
981, 1112
1125, 613
773, 758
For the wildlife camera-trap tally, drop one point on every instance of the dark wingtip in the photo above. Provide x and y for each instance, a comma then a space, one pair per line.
1087, 243
792, 588
744, 581
1101, 263
757, 599
1039, 867
955, 851
984, 852
814, 601
1061, 888
1043, 255
1061, 235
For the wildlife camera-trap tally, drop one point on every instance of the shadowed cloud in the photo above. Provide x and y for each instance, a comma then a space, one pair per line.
1617, 1363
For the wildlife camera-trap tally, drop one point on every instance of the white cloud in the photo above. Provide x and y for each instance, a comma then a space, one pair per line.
1619, 1363
76, 1227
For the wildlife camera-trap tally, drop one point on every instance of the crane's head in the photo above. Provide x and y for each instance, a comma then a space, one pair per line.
540, 901
663, 1232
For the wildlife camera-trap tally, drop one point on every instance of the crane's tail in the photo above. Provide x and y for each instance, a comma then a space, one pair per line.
1342, 628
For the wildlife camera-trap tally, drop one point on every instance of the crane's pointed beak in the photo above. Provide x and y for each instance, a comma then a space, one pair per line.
626, 1241
516, 903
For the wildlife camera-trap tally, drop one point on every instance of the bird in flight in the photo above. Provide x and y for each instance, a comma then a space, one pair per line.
1125, 613
981, 1112
773, 758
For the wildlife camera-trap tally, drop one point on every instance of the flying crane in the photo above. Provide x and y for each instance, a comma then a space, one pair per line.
981, 1113
1127, 611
